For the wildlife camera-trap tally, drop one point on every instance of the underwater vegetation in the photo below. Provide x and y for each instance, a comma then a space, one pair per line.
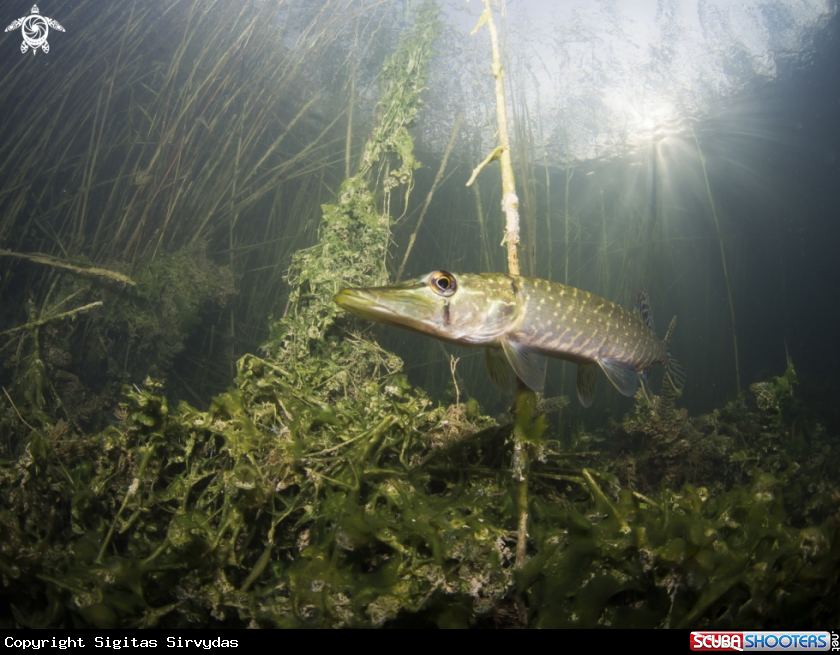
323, 490
291, 503
95, 329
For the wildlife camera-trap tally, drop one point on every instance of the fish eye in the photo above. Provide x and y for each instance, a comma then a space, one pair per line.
443, 283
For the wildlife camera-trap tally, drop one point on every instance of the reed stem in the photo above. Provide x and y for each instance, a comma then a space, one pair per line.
526, 432
455, 129
723, 261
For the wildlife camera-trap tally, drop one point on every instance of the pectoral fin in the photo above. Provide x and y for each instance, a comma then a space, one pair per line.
622, 375
497, 369
526, 363
586, 379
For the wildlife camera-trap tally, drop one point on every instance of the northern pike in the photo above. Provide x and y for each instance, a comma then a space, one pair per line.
517, 318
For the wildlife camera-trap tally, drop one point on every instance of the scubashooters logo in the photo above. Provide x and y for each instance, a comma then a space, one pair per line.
35, 29
754, 641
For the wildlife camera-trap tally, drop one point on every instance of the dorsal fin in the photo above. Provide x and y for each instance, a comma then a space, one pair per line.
643, 308
670, 331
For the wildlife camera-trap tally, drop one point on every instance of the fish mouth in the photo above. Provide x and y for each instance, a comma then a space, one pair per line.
387, 305
356, 301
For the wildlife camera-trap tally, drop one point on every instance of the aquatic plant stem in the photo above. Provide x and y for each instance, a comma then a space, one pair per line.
455, 129
525, 156
569, 172
132, 491
723, 261
22, 420
38, 258
97, 131
350, 104
510, 201
604, 502
526, 431
44, 320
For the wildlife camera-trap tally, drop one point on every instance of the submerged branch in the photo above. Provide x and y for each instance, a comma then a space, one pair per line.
493, 156
38, 258
43, 321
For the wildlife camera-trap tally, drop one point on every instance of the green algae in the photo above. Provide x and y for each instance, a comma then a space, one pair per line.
271, 510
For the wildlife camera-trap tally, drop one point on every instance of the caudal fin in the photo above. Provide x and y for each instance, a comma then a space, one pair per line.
675, 371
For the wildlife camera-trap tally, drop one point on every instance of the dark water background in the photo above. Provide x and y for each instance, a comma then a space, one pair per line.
772, 155
773, 160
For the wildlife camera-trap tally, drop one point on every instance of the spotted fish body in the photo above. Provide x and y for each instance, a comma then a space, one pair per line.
518, 318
